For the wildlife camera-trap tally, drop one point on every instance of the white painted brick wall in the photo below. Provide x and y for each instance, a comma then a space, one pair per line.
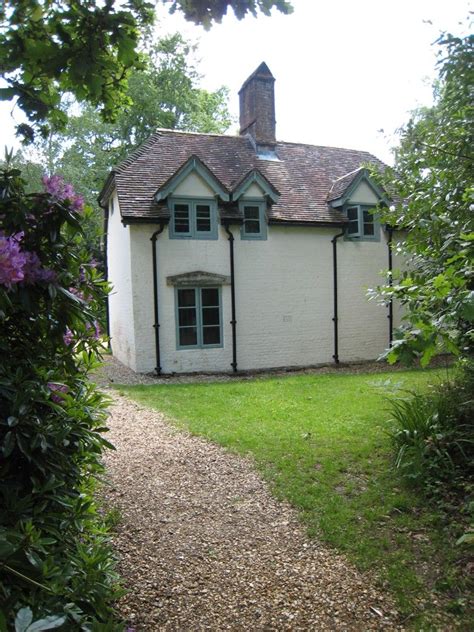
120, 300
284, 296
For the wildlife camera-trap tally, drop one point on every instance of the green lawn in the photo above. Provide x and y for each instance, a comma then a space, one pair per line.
322, 442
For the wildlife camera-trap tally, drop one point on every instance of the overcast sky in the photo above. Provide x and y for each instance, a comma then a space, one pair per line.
344, 69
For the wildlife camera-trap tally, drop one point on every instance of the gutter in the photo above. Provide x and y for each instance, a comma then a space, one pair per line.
156, 323
233, 322
335, 294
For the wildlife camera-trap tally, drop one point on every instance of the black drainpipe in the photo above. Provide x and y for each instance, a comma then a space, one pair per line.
106, 273
156, 324
233, 322
390, 283
336, 317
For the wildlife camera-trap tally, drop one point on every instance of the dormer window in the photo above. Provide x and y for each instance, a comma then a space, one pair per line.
193, 219
254, 224
363, 223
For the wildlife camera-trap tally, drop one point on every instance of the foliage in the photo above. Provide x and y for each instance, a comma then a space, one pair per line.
432, 181
85, 48
163, 93
434, 435
55, 563
210, 11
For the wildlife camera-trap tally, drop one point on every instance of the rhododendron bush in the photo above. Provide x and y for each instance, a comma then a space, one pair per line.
55, 565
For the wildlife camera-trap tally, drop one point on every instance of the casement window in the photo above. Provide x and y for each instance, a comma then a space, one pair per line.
198, 317
193, 219
254, 224
363, 223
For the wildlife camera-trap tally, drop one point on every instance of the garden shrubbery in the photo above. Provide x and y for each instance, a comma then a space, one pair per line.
434, 438
56, 569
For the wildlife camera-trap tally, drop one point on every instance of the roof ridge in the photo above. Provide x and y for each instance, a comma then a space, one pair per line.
359, 151
349, 173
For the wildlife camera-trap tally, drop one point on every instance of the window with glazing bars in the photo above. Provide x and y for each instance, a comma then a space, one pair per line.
193, 219
199, 318
362, 222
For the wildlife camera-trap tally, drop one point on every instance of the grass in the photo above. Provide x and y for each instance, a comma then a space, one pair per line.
322, 443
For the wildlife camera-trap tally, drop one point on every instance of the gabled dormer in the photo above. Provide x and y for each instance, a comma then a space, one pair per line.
357, 196
192, 194
254, 193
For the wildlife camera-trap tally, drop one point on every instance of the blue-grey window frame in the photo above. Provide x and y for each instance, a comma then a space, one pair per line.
360, 218
262, 234
199, 326
193, 233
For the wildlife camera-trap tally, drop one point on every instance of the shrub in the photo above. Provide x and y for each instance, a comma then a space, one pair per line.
55, 564
433, 439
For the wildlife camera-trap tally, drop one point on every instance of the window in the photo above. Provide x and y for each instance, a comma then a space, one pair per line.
198, 319
362, 222
192, 219
254, 225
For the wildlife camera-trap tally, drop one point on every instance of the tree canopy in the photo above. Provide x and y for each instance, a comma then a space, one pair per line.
432, 179
163, 93
86, 48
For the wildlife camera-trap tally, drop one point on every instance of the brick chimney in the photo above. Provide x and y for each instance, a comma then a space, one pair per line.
257, 108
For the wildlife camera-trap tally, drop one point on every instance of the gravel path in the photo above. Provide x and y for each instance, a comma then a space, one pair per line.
204, 546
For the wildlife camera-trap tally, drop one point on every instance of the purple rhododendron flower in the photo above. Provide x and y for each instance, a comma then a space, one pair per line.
78, 293
57, 388
17, 266
68, 337
12, 260
96, 328
34, 272
61, 191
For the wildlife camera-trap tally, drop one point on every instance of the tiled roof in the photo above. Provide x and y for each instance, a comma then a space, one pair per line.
304, 174
341, 185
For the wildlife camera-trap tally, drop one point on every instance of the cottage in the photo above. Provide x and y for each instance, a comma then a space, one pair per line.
243, 252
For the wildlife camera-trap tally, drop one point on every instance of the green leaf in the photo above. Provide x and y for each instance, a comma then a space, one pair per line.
48, 623
6, 548
23, 619
3, 622
467, 310
8, 443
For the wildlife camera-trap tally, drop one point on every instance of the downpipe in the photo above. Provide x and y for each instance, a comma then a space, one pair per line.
156, 323
335, 295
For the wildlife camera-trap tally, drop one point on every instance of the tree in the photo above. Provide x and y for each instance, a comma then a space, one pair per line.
86, 48
163, 93
432, 179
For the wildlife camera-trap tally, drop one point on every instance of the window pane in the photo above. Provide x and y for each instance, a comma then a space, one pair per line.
353, 228
186, 298
203, 218
211, 336
210, 316
352, 213
252, 226
181, 218
251, 212
369, 229
187, 316
368, 217
210, 297
187, 336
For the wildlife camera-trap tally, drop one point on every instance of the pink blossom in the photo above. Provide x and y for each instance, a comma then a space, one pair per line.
34, 272
95, 326
12, 260
57, 388
68, 337
61, 191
